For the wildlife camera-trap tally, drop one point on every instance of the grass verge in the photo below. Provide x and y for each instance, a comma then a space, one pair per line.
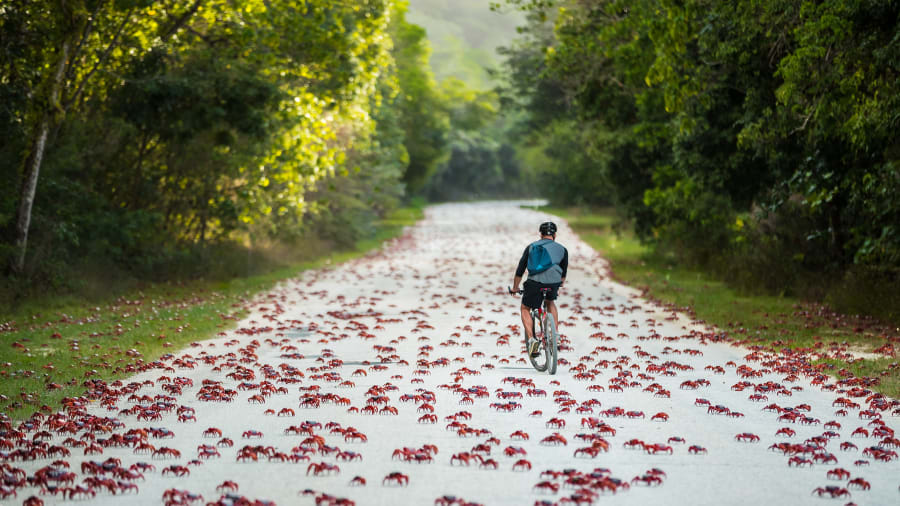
52, 345
774, 323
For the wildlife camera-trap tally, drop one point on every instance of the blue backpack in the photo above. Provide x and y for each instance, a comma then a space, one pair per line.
538, 258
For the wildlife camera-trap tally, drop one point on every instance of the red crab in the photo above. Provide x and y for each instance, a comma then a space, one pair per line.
832, 490
79, 491
798, 461
522, 465
554, 439
355, 436
164, 452
838, 474
656, 448
396, 478
462, 458
212, 432
227, 486
318, 469
747, 437
650, 480
556, 423
176, 470
859, 483
512, 451
633, 443
718, 409
547, 486
592, 451
488, 464
207, 452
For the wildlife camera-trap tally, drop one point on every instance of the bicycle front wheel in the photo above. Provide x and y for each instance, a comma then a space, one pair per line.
541, 360
551, 343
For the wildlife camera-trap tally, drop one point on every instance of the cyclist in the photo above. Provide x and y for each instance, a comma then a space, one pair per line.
552, 278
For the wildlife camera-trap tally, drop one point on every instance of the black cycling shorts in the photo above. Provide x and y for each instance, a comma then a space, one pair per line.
532, 293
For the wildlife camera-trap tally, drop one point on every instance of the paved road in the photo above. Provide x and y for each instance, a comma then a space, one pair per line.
426, 317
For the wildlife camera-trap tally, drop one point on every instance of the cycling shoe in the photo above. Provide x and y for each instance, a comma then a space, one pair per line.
534, 348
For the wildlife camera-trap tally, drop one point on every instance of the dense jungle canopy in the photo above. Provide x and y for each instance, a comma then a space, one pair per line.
755, 138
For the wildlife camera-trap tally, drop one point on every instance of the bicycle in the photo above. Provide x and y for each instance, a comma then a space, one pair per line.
544, 328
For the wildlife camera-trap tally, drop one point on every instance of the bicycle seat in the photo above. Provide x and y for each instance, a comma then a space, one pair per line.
546, 290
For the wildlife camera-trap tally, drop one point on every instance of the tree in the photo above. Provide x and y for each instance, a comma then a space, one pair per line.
423, 113
81, 36
256, 115
750, 132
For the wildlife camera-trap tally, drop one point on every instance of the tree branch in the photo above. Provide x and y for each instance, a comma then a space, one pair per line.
100, 61
803, 125
84, 36
181, 20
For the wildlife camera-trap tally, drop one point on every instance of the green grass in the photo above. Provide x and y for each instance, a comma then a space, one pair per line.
51, 345
769, 321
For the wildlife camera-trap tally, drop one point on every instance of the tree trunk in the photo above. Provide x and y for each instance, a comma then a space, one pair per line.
47, 113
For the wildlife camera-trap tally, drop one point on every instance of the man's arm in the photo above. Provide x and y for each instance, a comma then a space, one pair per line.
520, 270
564, 265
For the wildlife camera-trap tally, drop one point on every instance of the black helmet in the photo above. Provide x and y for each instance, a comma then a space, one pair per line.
548, 228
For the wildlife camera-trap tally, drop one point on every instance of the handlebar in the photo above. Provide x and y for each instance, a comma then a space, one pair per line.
517, 292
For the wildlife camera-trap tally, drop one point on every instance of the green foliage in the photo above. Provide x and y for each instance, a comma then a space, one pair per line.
469, 109
757, 134
464, 36
424, 118
472, 171
182, 128
566, 172
772, 322
481, 163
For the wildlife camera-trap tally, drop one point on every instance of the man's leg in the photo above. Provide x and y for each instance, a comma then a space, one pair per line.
526, 321
530, 344
551, 306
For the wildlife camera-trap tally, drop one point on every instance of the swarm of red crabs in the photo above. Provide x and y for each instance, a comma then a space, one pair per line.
357, 398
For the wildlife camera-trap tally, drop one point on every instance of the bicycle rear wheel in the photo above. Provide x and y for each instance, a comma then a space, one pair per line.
542, 360
551, 344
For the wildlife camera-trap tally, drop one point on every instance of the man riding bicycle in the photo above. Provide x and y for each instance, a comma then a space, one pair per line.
550, 276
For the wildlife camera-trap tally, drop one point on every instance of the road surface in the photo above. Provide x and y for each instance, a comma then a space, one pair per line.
424, 325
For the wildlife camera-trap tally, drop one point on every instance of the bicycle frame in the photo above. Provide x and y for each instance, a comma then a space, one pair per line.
539, 312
